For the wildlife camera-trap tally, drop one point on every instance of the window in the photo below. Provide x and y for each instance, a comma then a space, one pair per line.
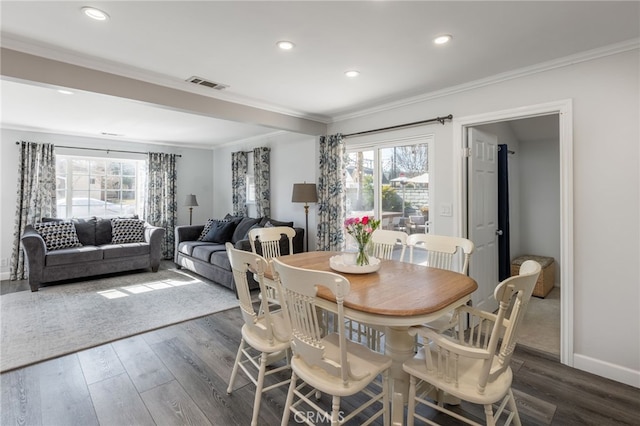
104, 187
390, 182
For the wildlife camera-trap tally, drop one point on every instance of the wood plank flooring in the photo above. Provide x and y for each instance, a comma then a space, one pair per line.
178, 376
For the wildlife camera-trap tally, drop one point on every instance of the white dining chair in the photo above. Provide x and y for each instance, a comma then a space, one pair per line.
385, 241
473, 365
265, 335
266, 242
440, 252
328, 362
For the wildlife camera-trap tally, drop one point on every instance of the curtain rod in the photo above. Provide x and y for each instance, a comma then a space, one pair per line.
441, 120
102, 149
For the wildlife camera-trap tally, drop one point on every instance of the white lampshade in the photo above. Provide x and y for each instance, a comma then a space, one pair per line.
190, 201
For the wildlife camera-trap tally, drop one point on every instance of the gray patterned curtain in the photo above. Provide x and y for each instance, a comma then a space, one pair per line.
331, 194
36, 196
239, 183
261, 171
161, 207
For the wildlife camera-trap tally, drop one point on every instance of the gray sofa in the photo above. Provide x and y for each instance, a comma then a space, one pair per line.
93, 254
209, 258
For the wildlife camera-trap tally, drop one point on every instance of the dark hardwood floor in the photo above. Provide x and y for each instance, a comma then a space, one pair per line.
178, 376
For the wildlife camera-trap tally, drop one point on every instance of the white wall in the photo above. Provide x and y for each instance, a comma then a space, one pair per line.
605, 95
194, 168
294, 159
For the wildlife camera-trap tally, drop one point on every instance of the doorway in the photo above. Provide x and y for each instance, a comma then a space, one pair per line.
523, 125
533, 206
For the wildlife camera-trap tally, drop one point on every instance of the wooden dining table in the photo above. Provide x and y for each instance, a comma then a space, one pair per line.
397, 296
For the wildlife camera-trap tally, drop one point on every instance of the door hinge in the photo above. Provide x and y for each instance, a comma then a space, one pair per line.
466, 152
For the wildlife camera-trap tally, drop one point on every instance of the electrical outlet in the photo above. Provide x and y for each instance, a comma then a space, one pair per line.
4, 262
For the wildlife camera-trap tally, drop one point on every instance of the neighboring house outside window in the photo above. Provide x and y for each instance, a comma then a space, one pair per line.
102, 187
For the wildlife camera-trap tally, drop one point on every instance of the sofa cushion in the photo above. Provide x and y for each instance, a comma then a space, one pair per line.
204, 252
127, 231
221, 260
73, 256
220, 231
58, 235
86, 230
103, 231
265, 220
186, 247
112, 251
243, 229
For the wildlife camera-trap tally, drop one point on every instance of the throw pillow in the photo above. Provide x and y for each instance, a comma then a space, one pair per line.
220, 231
243, 229
58, 235
207, 227
127, 231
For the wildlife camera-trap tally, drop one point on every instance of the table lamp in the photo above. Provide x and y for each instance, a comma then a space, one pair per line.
305, 193
191, 202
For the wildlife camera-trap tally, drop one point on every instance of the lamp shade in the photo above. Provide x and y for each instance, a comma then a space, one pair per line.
190, 201
304, 193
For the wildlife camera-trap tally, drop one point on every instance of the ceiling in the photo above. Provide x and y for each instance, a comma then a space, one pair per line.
234, 43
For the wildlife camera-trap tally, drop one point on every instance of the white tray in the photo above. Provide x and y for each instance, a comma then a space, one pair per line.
346, 263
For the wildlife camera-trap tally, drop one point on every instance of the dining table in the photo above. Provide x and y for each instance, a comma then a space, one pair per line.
396, 296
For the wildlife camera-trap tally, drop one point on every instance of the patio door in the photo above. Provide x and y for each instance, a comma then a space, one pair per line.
390, 181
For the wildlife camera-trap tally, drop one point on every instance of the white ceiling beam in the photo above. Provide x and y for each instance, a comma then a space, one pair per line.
39, 70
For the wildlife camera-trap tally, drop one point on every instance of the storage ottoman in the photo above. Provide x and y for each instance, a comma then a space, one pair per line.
547, 275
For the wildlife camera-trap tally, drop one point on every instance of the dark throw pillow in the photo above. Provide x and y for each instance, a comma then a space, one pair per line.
58, 235
273, 222
127, 231
205, 230
243, 229
220, 231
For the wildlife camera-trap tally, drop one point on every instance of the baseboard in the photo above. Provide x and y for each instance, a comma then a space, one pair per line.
610, 371
4, 276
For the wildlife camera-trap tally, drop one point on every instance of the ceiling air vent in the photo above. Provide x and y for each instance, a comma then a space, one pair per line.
206, 83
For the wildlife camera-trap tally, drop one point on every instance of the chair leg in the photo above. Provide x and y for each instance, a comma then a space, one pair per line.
514, 409
335, 411
488, 412
259, 386
411, 403
386, 416
232, 379
287, 405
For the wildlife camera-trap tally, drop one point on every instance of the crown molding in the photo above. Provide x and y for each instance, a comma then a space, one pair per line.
588, 55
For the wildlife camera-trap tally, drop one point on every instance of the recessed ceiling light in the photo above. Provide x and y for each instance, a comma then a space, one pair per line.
285, 45
65, 92
94, 13
443, 39
352, 73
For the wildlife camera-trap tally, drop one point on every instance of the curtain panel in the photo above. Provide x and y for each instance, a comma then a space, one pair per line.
261, 172
36, 195
161, 207
239, 183
331, 193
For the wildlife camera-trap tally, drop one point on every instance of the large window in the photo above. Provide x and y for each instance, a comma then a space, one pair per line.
391, 183
104, 187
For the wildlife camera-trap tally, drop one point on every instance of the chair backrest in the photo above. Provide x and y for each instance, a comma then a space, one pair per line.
243, 262
441, 250
385, 240
497, 332
299, 292
269, 239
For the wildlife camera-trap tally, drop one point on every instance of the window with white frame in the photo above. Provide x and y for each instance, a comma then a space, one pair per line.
391, 182
93, 186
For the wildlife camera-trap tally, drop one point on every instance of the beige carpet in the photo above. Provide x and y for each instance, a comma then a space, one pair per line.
540, 328
61, 319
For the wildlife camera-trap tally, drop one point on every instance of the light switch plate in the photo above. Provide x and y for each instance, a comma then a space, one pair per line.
446, 210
